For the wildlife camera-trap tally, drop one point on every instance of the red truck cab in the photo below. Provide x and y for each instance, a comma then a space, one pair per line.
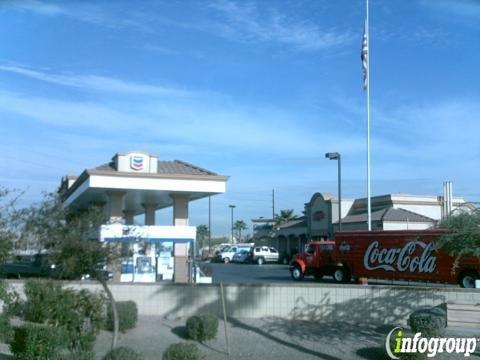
318, 260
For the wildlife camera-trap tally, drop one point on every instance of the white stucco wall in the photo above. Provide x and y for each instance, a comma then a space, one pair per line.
314, 302
159, 184
431, 211
405, 226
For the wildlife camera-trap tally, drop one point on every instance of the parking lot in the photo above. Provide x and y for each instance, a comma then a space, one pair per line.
275, 273
249, 273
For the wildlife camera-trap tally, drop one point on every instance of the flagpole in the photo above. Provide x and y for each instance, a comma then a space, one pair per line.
369, 208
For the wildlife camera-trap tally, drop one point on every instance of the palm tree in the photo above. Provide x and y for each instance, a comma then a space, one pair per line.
284, 217
202, 233
240, 225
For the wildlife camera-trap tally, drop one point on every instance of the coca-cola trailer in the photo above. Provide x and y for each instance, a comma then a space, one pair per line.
393, 255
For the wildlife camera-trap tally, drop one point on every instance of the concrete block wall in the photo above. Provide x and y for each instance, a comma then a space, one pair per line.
317, 302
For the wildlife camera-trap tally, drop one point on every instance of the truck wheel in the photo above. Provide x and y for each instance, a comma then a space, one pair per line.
467, 279
226, 260
260, 261
296, 273
341, 275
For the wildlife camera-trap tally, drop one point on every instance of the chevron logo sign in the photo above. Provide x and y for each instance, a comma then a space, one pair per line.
136, 162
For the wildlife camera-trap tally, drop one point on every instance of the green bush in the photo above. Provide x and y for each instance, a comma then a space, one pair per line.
202, 327
77, 315
6, 331
80, 316
127, 315
41, 299
123, 353
9, 298
430, 322
84, 355
194, 327
35, 343
182, 351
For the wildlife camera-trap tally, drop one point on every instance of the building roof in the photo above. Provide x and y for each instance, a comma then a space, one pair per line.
169, 169
263, 221
359, 206
175, 167
388, 214
153, 185
294, 223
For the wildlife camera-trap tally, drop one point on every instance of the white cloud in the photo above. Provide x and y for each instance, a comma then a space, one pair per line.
107, 15
36, 6
244, 23
238, 21
221, 128
64, 113
96, 82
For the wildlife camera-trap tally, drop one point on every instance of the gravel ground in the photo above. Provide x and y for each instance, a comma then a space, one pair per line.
269, 338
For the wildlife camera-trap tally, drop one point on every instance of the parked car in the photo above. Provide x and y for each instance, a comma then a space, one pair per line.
242, 257
228, 252
264, 254
27, 266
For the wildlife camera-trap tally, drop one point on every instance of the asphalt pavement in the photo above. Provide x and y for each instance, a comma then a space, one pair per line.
250, 273
274, 273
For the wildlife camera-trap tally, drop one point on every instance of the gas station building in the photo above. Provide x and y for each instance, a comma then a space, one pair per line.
137, 183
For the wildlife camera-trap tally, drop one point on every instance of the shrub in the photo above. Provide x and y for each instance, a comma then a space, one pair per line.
202, 327
430, 322
78, 315
123, 353
35, 343
182, 351
6, 331
41, 299
194, 327
210, 326
127, 315
11, 301
84, 355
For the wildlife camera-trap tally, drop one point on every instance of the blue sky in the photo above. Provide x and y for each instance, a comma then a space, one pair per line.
258, 91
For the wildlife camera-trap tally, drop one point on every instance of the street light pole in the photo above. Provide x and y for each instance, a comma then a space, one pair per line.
209, 224
336, 156
232, 207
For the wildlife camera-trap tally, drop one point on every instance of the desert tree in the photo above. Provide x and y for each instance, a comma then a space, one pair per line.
463, 235
202, 233
72, 240
239, 226
10, 234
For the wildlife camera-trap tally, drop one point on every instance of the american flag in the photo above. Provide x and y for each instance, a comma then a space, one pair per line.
364, 57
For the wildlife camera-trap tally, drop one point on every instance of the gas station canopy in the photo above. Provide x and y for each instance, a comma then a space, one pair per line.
136, 182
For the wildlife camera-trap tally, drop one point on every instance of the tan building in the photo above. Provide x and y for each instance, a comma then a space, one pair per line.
389, 212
